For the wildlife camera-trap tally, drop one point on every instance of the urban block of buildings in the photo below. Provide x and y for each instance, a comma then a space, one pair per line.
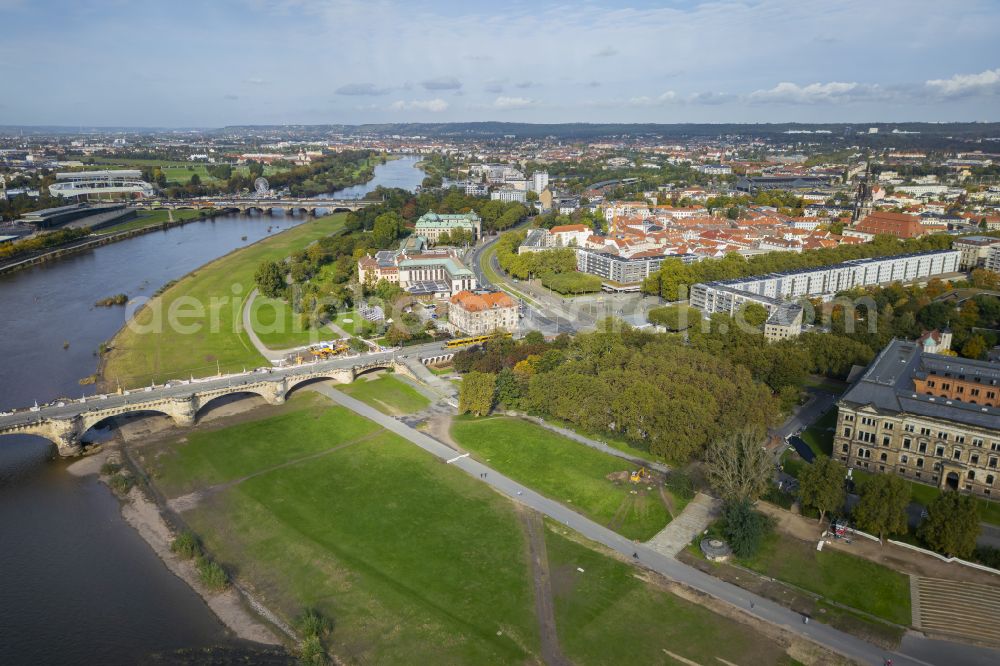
428, 273
777, 291
926, 417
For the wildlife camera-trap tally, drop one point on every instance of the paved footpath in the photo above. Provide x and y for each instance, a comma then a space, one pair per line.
914, 650
596, 444
692, 521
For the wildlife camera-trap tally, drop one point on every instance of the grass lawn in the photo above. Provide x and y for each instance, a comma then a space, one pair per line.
606, 615
349, 321
278, 327
819, 436
305, 425
840, 577
413, 561
208, 303
566, 471
388, 394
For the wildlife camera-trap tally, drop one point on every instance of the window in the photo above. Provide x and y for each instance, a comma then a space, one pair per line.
943, 435
974, 459
908, 427
906, 443
920, 462
887, 426
993, 462
976, 441
883, 457
903, 459
989, 480
960, 439
847, 432
867, 421
971, 475
923, 447
956, 454
926, 432
844, 448
939, 450
886, 441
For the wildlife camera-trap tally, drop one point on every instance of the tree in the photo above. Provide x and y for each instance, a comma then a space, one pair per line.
745, 528
821, 485
270, 279
477, 393
975, 347
754, 314
508, 388
387, 229
738, 466
674, 317
952, 525
882, 509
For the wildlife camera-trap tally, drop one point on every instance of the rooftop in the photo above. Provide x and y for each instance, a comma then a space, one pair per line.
887, 385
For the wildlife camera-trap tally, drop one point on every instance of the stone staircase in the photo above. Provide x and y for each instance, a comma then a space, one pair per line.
952, 608
694, 519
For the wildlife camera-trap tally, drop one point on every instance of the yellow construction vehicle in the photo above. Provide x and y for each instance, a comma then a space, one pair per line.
638, 475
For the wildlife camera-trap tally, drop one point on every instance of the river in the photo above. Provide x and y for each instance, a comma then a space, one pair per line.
77, 584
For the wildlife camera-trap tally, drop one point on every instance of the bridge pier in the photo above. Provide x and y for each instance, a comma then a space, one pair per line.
65, 434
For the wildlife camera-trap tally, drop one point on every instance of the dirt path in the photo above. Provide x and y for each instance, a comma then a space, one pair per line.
534, 529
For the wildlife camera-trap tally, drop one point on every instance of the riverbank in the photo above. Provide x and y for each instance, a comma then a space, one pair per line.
149, 519
97, 240
208, 336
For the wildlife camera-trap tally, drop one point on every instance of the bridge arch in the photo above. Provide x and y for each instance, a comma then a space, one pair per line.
36, 442
115, 421
205, 407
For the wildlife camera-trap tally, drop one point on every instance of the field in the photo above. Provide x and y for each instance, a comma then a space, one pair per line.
388, 394
278, 326
207, 307
606, 615
566, 471
412, 560
843, 578
176, 172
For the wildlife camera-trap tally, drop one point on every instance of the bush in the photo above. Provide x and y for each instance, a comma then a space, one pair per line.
312, 623
311, 651
186, 545
121, 483
211, 573
745, 528
679, 484
109, 468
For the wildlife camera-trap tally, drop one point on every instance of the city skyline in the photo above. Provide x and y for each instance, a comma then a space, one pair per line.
289, 61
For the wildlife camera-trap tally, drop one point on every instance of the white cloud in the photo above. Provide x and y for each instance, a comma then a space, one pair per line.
962, 85
512, 102
432, 105
818, 93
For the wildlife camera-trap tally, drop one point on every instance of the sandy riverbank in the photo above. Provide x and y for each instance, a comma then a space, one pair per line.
145, 517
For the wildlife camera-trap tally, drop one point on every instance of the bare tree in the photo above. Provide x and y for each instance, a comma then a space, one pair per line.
738, 466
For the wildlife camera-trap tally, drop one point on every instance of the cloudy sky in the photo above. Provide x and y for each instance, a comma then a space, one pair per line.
216, 62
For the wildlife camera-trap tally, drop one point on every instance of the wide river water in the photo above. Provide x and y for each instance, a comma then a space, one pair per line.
77, 584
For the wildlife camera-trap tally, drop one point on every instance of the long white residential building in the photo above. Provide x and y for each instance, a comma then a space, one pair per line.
775, 290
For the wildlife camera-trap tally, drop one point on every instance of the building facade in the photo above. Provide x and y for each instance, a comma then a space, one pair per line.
974, 250
432, 225
482, 314
926, 417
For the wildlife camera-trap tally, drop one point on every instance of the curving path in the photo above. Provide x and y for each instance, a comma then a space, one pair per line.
273, 355
915, 650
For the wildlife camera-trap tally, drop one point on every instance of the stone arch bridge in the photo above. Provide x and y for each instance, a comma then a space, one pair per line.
264, 206
64, 423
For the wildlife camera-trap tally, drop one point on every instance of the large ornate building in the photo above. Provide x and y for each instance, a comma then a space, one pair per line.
432, 225
927, 417
482, 314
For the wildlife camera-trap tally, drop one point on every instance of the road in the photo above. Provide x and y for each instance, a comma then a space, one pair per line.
914, 650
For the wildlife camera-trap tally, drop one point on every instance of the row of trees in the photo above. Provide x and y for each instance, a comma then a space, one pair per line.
546, 262
951, 526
